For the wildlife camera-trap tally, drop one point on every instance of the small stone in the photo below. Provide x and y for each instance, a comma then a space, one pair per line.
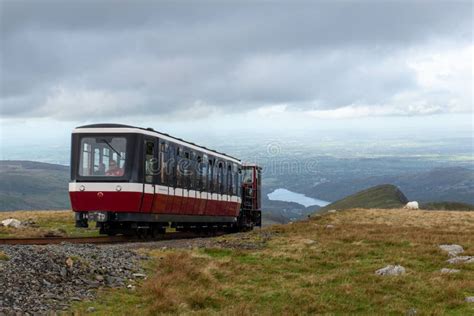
452, 250
448, 271
309, 242
91, 309
411, 312
69, 262
131, 287
391, 270
470, 299
461, 259
332, 211
139, 275
99, 278
329, 226
11, 222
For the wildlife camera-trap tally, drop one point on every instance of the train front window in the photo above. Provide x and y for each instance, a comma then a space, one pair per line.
248, 175
103, 156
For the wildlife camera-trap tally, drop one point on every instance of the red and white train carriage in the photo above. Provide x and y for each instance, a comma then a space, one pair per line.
134, 180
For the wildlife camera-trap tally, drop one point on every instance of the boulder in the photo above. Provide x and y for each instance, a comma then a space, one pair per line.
11, 222
470, 299
391, 270
452, 250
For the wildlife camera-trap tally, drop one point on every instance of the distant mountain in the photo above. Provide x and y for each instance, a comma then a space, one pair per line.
29, 185
381, 196
438, 184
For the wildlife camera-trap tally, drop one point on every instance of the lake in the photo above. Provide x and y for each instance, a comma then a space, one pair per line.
289, 196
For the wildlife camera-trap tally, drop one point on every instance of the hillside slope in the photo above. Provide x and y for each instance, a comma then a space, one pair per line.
29, 185
382, 196
447, 206
322, 266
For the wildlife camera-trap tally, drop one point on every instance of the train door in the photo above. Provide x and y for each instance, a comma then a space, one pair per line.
150, 171
251, 195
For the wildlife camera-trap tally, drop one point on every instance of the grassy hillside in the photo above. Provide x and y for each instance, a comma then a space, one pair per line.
308, 268
448, 206
28, 185
381, 196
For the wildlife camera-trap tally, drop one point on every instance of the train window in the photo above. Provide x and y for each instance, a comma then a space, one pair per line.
150, 161
235, 179
248, 175
239, 181
220, 178
186, 155
229, 179
163, 149
210, 176
180, 169
203, 169
171, 161
95, 157
189, 174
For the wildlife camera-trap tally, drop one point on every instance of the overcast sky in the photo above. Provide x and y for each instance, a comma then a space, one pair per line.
261, 64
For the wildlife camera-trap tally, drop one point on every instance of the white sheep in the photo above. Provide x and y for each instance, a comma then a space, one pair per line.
413, 205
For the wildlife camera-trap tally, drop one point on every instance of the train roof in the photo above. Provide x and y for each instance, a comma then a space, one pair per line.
149, 129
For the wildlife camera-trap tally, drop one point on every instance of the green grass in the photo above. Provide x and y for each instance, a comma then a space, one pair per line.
382, 196
333, 275
58, 222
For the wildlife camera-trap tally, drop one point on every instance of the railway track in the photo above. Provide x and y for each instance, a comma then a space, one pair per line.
97, 240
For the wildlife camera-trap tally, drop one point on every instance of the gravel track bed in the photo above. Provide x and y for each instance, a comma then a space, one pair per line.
39, 280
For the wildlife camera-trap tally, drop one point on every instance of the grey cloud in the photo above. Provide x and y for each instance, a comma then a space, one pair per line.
162, 57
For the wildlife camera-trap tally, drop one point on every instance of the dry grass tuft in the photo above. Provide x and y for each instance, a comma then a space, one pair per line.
4, 256
181, 281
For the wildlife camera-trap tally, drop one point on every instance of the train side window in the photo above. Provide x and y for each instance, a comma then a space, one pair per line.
239, 181
163, 162
172, 163
229, 179
179, 171
210, 179
220, 178
150, 161
198, 176
235, 181
188, 167
203, 167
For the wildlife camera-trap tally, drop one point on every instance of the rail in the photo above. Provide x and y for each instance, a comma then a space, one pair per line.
98, 240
